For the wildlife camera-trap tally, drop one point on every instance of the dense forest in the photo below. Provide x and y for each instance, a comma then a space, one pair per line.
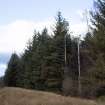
50, 61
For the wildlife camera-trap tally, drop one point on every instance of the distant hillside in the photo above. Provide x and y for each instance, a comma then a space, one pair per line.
18, 96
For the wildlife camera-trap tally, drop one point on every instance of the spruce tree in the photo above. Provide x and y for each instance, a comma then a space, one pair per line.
56, 59
11, 77
95, 45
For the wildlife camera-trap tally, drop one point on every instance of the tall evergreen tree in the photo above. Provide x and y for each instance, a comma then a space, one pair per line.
34, 58
56, 60
27, 60
95, 45
39, 57
13, 70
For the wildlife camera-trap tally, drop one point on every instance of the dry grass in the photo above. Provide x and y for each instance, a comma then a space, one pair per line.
18, 96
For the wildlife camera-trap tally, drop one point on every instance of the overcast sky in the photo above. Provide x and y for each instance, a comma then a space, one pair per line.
19, 18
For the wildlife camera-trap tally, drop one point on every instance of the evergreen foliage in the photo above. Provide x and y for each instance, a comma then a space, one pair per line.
13, 71
42, 65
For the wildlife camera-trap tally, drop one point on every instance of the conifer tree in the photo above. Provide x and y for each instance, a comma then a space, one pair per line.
95, 45
13, 70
